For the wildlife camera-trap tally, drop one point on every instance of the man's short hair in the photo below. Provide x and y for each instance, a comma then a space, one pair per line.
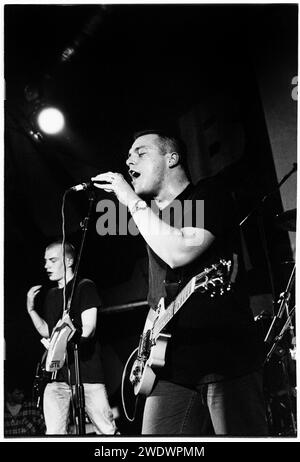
169, 141
69, 248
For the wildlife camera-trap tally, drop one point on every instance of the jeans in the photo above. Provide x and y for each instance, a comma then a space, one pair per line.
57, 398
233, 408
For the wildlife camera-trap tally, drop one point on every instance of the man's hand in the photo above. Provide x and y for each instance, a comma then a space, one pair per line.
31, 294
115, 182
38, 322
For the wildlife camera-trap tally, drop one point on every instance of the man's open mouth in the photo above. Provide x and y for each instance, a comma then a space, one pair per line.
134, 174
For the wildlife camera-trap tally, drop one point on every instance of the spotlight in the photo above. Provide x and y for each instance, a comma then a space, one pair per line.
51, 120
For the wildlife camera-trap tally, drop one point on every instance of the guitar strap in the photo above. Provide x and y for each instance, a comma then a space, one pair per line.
172, 289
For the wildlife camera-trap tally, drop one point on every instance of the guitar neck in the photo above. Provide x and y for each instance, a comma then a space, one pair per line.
175, 306
217, 275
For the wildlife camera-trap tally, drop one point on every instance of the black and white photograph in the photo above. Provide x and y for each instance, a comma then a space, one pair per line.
149, 225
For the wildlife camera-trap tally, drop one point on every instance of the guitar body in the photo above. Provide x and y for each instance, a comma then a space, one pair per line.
156, 361
57, 348
151, 354
54, 356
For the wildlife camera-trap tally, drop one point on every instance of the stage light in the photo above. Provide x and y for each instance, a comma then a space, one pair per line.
51, 120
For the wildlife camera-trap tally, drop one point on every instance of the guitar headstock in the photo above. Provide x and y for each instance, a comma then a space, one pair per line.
215, 279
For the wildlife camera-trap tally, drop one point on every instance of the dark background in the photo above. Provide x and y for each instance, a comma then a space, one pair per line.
195, 68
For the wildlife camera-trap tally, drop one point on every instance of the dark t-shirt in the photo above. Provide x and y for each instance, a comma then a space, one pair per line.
212, 338
85, 297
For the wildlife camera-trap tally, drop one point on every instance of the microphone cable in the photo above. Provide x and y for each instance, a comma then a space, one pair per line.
130, 419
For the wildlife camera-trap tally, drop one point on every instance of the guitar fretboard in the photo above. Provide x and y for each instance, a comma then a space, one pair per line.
215, 273
172, 309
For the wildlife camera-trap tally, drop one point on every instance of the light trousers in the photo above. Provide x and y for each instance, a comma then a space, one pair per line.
57, 398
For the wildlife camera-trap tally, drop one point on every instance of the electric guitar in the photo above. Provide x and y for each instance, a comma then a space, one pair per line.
57, 344
60, 336
153, 342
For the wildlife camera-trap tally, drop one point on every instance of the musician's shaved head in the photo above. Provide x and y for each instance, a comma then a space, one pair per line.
70, 251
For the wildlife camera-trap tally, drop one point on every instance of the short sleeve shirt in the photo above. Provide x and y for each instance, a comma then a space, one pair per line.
210, 337
85, 297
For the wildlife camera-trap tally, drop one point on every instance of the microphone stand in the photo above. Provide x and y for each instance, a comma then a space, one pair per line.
79, 390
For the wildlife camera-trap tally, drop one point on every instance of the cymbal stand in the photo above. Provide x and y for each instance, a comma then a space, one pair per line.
284, 300
271, 336
287, 324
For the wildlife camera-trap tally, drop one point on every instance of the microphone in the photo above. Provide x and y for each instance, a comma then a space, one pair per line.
86, 185
82, 186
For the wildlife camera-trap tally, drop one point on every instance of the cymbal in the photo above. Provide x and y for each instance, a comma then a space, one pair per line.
287, 220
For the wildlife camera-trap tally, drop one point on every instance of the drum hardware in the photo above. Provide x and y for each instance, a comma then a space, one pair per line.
287, 325
281, 403
286, 423
283, 301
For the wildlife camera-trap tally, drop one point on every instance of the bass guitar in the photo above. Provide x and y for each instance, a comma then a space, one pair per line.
153, 341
